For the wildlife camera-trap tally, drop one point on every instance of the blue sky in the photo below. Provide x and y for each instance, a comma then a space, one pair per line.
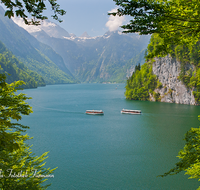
86, 15
89, 16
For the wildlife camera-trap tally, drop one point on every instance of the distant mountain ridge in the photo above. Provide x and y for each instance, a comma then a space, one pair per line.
36, 56
107, 58
85, 35
98, 59
52, 29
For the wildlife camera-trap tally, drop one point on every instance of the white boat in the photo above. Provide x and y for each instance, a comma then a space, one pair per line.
94, 112
126, 111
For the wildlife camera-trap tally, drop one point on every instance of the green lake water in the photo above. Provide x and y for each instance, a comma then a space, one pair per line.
110, 152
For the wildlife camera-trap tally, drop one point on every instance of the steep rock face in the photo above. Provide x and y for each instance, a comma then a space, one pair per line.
173, 90
101, 59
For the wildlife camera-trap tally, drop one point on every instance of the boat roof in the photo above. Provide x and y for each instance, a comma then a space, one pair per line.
131, 110
94, 110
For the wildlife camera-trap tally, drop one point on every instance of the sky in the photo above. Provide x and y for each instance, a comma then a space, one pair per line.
89, 16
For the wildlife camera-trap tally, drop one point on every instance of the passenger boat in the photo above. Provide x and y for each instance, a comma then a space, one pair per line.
131, 111
94, 112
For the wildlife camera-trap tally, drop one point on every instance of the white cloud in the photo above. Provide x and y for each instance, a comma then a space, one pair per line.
47, 24
33, 28
114, 21
29, 28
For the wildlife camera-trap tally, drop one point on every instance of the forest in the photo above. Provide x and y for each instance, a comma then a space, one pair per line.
16, 70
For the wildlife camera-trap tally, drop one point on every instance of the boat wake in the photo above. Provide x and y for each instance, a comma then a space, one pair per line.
59, 110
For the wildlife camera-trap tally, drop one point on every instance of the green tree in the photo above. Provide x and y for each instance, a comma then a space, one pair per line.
34, 8
19, 168
142, 83
190, 156
137, 67
176, 21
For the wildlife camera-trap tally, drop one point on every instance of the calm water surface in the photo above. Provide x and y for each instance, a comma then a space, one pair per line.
110, 152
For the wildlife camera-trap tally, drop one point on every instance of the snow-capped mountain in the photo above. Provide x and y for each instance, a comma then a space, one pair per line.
94, 59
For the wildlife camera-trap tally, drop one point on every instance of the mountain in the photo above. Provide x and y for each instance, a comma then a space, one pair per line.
107, 58
52, 29
47, 51
98, 59
16, 70
36, 56
85, 35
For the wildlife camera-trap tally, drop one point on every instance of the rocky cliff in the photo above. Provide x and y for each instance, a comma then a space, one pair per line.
167, 69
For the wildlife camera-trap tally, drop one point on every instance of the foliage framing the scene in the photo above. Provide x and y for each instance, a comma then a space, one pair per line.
16, 158
177, 21
34, 8
189, 156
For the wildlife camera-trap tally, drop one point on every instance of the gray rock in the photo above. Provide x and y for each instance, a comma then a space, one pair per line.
167, 69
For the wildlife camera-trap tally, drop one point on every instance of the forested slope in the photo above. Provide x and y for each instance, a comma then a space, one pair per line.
16, 70
21, 44
186, 64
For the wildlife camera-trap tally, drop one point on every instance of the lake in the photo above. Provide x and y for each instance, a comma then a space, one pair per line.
110, 152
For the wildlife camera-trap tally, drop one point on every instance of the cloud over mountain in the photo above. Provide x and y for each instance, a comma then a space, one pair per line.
52, 29
29, 28
114, 22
